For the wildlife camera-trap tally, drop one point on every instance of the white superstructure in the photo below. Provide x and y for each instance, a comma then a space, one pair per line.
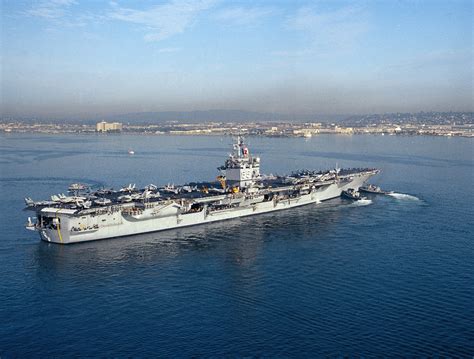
241, 168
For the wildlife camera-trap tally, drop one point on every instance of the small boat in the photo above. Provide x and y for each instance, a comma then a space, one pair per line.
351, 193
131, 152
373, 189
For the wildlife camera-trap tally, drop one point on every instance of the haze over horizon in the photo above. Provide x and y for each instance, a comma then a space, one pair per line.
82, 58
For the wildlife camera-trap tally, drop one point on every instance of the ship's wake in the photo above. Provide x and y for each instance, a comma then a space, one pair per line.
404, 196
361, 202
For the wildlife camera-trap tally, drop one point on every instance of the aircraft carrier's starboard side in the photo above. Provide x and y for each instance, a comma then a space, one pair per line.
240, 190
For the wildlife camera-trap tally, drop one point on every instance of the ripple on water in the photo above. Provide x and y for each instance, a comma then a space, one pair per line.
393, 278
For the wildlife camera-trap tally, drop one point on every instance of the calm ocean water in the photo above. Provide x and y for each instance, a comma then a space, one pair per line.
392, 278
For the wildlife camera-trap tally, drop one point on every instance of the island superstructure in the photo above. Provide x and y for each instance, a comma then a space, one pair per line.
240, 190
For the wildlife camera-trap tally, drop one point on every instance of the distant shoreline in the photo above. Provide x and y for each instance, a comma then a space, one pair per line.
469, 134
448, 124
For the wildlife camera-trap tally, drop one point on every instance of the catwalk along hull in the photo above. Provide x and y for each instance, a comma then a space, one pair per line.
118, 223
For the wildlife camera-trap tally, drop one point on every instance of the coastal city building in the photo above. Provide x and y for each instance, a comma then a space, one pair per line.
108, 126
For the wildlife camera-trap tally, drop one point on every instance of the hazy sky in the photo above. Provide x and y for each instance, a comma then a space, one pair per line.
87, 57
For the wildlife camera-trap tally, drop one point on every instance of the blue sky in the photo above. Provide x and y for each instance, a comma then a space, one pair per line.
76, 57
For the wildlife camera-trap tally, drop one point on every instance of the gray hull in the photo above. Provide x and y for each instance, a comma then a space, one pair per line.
111, 224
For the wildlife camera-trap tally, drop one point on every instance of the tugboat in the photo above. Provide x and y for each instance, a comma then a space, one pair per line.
352, 194
370, 188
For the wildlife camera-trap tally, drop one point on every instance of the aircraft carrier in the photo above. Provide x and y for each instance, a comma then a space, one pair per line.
240, 190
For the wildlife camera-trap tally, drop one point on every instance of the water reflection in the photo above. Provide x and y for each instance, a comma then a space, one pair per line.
239, 241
